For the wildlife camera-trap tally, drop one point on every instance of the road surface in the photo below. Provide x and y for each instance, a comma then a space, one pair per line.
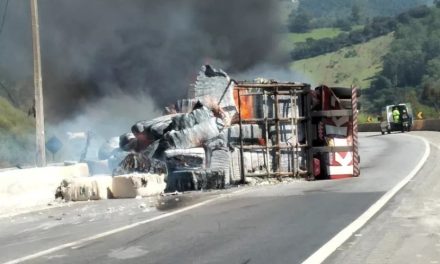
283, 223
407, 230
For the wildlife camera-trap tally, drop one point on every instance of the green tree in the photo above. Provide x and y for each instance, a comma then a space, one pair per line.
299, 22
381, 82
431, 84
356, 14
343, 24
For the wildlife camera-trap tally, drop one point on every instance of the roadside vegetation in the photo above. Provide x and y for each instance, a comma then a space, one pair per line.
290, 40
396, 58
356, 34
16, 135
315, 34
411, 69
329, 13
355, 65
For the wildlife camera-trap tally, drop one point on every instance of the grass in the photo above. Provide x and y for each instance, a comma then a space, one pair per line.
355, 65
363, 118
316, 34
289, 39
13, 119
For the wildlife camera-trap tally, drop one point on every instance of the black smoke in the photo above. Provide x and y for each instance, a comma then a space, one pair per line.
96, 48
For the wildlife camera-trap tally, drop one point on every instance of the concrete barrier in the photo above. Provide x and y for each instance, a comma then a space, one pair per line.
369, 127
33, 187
427, 125
419, 125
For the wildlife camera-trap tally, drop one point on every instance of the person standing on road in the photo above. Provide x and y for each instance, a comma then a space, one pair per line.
396, 115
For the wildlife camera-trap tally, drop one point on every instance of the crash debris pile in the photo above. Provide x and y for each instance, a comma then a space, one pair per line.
106, 187
198, 142
85, 188
192, 141
229, 132
137, 185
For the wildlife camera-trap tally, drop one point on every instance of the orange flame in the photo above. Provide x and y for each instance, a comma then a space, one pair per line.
247, 104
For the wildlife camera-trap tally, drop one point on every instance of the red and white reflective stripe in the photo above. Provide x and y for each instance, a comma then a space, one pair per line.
334, 125
340, 163
345, 171
354, 103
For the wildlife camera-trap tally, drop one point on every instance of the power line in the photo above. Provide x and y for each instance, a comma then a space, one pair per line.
2, 23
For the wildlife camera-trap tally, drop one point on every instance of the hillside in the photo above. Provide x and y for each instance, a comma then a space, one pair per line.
353, 65
411, 69
288, 40
16, 135
316, 34
336, 9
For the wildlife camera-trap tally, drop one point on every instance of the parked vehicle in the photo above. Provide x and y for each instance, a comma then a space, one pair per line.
396, 118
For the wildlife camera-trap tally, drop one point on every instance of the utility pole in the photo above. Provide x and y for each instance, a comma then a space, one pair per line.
38, 84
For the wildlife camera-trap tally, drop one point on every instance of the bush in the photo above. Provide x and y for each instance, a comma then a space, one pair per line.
343, 24
17, 138
351, 53
299, 22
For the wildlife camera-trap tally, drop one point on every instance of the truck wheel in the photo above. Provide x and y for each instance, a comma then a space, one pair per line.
383, 133
389, 131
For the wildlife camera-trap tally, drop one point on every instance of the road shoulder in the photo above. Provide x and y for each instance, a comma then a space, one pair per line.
407, 230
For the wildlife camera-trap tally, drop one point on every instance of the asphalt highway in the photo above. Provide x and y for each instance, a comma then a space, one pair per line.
283, 223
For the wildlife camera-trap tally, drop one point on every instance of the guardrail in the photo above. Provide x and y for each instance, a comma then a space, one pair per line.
22, 167
27, 188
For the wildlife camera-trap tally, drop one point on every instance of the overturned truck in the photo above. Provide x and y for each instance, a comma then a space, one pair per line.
229, 131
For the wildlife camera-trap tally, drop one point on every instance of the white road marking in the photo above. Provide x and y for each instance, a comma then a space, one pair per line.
118, 230
333, 244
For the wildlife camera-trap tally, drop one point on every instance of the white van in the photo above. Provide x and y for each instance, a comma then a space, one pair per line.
404, 123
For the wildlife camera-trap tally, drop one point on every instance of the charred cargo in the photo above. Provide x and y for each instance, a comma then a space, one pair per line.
228, 131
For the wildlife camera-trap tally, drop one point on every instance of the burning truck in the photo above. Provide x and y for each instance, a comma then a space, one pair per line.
228, 131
